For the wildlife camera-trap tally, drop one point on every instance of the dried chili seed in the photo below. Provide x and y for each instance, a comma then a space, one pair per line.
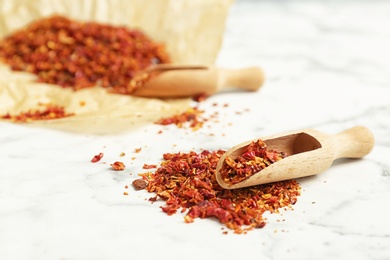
187, 183
45, 112
139, 184
254, 158
97, 157
82, 54
118, 166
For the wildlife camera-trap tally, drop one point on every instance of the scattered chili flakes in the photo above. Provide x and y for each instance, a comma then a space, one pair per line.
187, 183
118, 166
47, 111
137, 150
97, 157
254, 158
191, 116
82, 54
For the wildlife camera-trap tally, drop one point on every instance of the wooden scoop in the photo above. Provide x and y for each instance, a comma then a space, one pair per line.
309, 152
190, 80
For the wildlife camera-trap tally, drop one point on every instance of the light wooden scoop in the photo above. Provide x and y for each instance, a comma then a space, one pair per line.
191, 80
309, 152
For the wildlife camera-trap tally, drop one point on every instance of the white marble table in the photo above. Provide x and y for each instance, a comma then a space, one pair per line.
328, 67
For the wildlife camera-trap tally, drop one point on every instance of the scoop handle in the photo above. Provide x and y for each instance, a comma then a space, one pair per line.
250, 79
354, 142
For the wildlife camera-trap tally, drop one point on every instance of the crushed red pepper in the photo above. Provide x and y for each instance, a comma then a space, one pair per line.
118, 166
187, 183
97, 157
82, 54
254, 158
149, 166
192, 116
45, 112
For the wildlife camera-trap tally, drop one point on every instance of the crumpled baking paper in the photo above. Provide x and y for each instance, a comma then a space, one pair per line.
192, 31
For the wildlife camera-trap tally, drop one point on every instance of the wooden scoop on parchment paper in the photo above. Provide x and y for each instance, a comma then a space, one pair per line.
175, 81
309, 152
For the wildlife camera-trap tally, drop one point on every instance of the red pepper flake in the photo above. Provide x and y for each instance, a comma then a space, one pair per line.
118, 166
255, 158
122, 154
48, 112
137, 150
191, 116
200, 98
82, 54
97, 157
149, 166
187, 183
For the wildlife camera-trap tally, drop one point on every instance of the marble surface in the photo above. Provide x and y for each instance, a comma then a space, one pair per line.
328, 68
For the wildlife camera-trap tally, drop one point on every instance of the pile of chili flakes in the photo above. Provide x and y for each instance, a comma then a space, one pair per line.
187, 183
78, 55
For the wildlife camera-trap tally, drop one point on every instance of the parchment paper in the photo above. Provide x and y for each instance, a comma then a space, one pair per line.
192, 31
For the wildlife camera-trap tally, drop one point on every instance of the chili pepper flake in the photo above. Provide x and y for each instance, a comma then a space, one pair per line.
187, 183
254, 158
118, 166
200, 98
137, 150
149, 166
97, 157
47, 111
